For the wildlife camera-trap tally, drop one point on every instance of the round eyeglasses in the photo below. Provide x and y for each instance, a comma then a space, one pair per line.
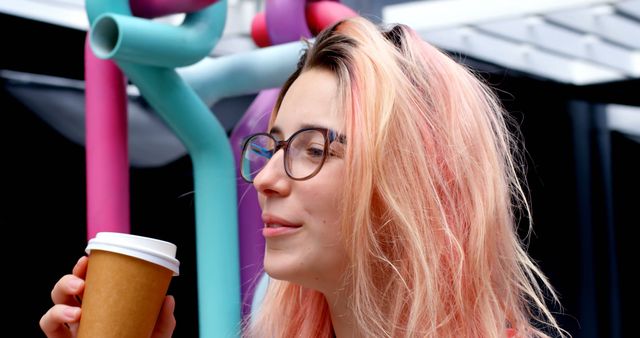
304, 152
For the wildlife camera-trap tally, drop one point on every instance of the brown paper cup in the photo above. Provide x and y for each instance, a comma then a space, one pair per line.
127, 279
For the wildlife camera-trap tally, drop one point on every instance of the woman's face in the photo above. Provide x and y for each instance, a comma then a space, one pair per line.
302, 218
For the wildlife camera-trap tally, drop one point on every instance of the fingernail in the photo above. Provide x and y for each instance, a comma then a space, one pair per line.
72, 312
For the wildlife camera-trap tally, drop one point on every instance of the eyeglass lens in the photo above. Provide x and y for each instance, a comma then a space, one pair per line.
303, 157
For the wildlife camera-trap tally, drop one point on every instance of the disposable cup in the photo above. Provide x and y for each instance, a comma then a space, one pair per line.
127, 279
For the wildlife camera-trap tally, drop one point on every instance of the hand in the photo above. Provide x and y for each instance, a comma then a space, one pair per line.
61, 321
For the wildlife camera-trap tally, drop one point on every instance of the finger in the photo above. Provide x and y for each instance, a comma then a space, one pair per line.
166, 320
80, 269
67, 289
53, 323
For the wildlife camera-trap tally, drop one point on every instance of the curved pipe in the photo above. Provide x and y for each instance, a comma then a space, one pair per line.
240, 74
156, 8
215, 194
259, 32
322, 14
144, 8
286, 20
141, 41
96, 8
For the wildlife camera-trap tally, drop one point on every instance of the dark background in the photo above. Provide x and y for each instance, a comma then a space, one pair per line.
583, 183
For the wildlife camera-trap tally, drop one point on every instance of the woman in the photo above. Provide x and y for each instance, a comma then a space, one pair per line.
389, 212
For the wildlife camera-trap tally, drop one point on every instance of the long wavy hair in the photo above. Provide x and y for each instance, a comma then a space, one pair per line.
430, 219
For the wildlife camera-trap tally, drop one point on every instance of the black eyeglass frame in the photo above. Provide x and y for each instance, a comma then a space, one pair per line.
329, 137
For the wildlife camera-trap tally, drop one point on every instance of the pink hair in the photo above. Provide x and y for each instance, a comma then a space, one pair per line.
430, 222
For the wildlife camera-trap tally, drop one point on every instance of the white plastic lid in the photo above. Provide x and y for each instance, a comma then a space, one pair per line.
146, 248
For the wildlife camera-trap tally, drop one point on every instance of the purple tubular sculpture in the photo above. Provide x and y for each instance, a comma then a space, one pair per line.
255, 120
157, 8
286, 22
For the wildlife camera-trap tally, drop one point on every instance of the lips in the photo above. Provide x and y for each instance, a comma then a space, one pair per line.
271, 221
276, 227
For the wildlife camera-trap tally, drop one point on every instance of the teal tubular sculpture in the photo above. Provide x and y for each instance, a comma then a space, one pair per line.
243, 73
204, 137
127, 38
218, 265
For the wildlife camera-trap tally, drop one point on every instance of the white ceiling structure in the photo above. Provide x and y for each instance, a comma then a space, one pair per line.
571, 41
578, 42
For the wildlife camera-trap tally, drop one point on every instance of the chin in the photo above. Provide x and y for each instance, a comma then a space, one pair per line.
279, 268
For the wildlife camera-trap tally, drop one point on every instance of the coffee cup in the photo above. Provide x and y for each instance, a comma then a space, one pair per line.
127, 279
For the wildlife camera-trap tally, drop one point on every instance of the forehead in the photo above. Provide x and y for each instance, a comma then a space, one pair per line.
312, 99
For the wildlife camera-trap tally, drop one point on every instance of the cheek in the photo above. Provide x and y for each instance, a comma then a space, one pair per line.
324, 202
325, 212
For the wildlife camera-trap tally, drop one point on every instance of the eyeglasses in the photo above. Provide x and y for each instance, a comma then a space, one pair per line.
304, 152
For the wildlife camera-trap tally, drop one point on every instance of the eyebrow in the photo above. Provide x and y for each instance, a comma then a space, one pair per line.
339, 137
276, 130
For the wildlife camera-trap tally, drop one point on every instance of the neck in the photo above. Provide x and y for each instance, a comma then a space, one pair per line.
341, 316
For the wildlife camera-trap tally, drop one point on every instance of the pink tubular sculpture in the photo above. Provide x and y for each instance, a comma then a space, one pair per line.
106, 146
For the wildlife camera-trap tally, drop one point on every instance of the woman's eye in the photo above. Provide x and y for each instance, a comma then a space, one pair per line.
315, 152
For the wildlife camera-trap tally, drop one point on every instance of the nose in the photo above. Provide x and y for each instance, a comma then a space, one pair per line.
273, 179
